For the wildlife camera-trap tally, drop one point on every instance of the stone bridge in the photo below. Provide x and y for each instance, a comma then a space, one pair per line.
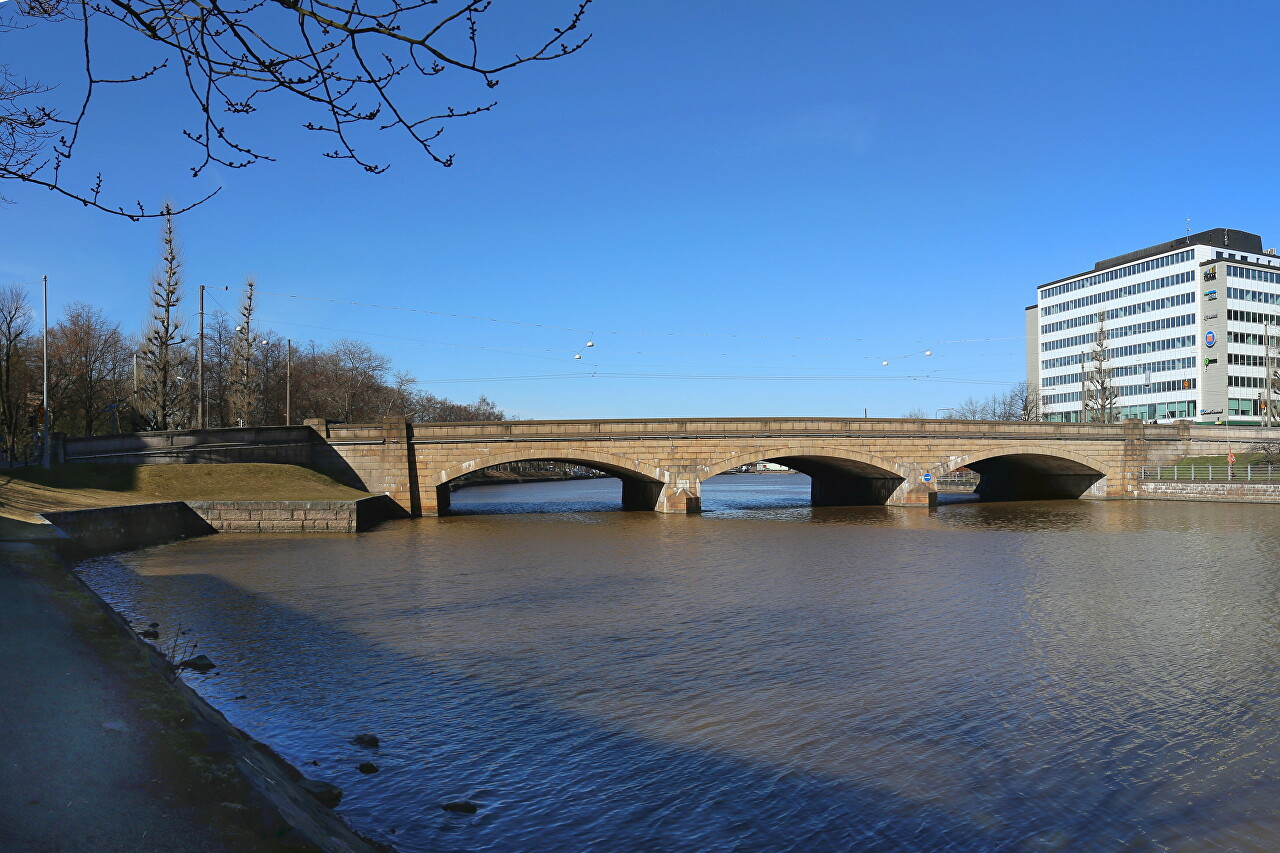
663, 463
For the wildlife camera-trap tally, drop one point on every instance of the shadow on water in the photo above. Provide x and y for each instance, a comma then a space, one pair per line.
959, 766
545, 779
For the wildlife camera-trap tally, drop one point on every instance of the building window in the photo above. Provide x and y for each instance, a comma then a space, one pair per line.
1121, 272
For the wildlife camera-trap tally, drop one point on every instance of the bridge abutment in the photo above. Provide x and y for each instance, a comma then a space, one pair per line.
915, 495
399, 466
435, 500
681, 497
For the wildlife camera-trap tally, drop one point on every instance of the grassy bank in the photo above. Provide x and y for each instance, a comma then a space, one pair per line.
1214, 468
27, 491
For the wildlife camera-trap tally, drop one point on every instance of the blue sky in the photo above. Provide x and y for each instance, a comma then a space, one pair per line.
707, 190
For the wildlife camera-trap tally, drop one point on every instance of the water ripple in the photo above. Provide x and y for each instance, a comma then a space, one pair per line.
770, 676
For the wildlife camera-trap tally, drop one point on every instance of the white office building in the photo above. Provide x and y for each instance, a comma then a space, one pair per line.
1185, 323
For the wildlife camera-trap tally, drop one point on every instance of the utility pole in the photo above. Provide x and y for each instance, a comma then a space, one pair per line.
200, 406
44, 452
288, 382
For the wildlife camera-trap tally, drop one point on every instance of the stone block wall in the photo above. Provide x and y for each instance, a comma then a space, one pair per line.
122, 528
1229, 492
278, 516
290, 445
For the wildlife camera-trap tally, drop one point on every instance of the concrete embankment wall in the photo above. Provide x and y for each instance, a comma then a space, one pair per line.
296, 516
122, 528
1227, 492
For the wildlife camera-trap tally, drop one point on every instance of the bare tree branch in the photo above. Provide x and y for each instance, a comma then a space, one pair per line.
352, 62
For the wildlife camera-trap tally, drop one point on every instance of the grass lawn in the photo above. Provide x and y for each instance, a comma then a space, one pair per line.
27, 491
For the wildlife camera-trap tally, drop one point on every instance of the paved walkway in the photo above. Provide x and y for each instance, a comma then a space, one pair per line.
96, 754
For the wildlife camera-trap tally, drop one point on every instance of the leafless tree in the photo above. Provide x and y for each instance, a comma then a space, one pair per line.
88, 371
427, 408
24, 124
973, 409
244, 390
219, 358
916, 413
1099, 390
1022, 403
163, 391
17, 372
354, 66
1019, 403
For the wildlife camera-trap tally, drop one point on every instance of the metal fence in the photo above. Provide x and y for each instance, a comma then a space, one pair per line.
1215, 473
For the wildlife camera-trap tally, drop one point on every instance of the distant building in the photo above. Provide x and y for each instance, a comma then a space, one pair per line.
1184, 320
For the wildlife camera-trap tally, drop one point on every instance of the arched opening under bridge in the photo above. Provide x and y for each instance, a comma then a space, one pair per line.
836, 477
1030, 476
641, 485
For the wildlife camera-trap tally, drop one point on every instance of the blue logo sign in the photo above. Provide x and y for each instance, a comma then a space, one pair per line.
1210, 339
928, 478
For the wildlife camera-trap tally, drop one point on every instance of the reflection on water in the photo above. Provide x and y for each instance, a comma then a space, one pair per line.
767, 676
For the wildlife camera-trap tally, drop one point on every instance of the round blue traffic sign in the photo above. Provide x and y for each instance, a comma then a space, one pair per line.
1210, 339
927, 478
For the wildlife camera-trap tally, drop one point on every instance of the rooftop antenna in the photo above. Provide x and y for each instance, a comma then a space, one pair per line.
1188, 224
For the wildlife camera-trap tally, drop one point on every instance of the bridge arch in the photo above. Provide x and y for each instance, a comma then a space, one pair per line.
642, 483
839, 476
1032, 472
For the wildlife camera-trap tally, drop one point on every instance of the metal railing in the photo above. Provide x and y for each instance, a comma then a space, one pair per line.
1217, 472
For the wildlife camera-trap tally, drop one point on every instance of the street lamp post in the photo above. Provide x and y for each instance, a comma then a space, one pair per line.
288, 382
44, 451
201, 414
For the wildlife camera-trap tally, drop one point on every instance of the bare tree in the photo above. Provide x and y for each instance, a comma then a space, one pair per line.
88, 371
1019, 403
164, 356
219, 359
24, 124
428, 408
16, 368
354, 66
1269, 397
1098, 388
974, 409
244, 397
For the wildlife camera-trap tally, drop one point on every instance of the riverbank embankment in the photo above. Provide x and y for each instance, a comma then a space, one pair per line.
26, 493
106, 748
1256, 493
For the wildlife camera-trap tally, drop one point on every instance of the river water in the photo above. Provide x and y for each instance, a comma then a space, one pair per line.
1067, 675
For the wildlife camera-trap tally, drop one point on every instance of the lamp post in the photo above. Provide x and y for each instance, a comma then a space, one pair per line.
44, 441
948, 411
201, 413
288, 382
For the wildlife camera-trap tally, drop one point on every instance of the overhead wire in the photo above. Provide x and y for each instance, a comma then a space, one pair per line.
593, 367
